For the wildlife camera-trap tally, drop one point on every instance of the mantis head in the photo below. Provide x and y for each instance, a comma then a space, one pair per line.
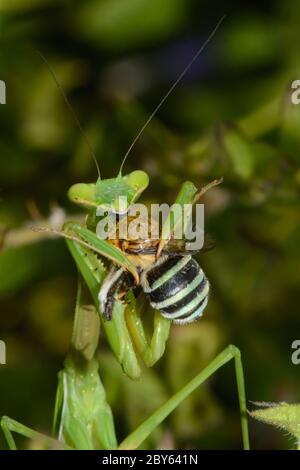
113, 195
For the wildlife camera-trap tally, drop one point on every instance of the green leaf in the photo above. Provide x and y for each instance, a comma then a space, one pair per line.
280, 415
290, 124
120, 24
239, 151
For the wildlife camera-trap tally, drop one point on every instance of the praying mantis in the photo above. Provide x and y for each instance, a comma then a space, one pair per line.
83, 418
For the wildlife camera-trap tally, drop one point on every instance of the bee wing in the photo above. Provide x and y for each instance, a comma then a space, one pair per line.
180, 246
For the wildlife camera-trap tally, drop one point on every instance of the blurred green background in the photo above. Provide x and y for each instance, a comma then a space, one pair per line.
231, 117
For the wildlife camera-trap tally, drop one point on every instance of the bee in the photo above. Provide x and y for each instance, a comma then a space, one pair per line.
174, 282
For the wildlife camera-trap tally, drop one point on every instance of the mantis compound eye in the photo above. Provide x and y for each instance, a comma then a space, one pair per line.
138, 180
82, 193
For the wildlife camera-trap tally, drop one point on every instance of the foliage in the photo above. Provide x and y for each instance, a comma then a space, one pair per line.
231, 117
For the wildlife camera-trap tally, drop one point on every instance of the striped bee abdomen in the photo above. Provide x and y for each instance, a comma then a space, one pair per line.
177, 287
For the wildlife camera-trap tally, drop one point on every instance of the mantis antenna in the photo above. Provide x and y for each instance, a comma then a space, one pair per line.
177, 81
69, 106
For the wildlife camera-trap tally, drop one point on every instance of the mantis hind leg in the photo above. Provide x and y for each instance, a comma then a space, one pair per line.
134, 440
10, 426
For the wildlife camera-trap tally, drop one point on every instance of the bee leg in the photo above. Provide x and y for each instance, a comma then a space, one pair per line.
116, 282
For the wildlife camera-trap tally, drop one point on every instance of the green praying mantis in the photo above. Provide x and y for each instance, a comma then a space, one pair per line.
83, 418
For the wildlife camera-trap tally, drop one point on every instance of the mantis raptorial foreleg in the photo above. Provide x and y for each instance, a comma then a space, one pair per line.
134, 440
93, 273
123, 332
150, 350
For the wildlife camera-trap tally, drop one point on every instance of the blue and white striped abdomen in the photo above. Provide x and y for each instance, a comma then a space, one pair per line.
177, 287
